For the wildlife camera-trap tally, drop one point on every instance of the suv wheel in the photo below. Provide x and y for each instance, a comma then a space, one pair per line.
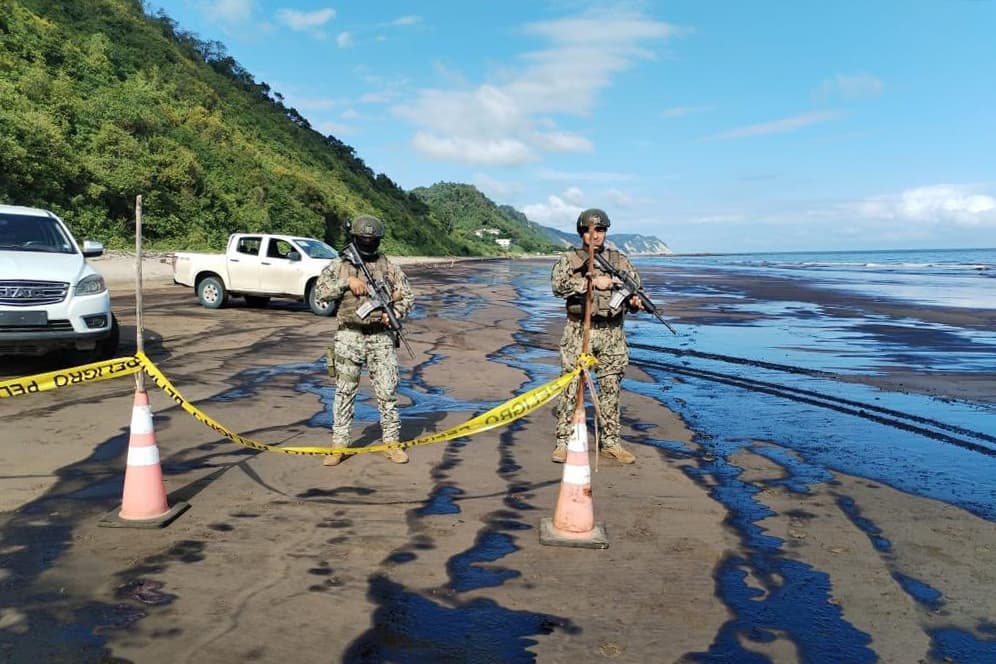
108, 348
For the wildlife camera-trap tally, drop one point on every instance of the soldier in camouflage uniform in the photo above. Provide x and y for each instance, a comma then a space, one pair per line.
607, 341
360, 341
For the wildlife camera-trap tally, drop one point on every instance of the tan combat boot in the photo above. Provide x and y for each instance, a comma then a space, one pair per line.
618, 452
334, 459
559, 452
396, 455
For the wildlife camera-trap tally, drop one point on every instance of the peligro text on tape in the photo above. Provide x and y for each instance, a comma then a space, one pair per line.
500, 415
86, 373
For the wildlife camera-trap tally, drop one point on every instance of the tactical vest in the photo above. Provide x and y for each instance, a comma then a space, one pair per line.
347, 309
578, 259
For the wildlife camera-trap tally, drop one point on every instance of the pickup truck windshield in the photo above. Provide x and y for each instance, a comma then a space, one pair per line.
316, 249
30, 233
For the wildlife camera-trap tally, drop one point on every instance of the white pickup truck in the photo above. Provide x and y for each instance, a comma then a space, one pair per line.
257, 266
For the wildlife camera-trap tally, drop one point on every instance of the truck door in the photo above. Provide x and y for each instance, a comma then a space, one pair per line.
279, 273
244, 264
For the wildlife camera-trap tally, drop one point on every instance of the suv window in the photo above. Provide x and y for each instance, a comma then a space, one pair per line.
30, 233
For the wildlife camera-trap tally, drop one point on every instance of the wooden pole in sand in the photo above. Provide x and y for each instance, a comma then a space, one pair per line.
139, 335
586, 334
588, 297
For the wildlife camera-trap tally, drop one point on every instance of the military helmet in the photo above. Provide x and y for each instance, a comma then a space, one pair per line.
595, 217
367, 226
367, 232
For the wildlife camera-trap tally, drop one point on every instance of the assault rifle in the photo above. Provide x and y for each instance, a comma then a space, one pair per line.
628, 289
380, 298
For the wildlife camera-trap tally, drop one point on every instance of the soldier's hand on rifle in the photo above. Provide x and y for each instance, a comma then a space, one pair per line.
357, 286
385, 319
602, 282
636, 304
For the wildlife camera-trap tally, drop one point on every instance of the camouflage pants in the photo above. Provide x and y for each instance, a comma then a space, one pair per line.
608, 345
352, 350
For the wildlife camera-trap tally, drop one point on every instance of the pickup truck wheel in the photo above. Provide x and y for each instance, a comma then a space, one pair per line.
257, 301
211, 293
318, 307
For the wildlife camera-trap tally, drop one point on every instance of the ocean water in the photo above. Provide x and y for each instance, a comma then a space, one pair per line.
938, 277
800, 370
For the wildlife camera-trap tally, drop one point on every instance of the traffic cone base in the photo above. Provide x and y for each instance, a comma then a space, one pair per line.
595, 538
143, 504
113, 518
573, 522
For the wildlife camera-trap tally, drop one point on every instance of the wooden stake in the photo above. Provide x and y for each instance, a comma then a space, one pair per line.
139, 330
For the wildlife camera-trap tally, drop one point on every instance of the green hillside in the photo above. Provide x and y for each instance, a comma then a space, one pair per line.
472, 218
99, 103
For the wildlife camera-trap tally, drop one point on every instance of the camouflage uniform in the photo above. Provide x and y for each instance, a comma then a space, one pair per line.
364, 341
607, 341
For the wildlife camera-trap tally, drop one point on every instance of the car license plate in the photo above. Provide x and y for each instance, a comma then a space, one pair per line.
23, 318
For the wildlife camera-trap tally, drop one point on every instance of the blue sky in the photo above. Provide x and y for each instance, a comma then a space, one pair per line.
716, 126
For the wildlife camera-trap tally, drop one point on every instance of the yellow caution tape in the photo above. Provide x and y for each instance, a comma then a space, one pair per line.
86, 373
498, 416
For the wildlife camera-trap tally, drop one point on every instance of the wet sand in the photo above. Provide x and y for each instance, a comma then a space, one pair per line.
280, 559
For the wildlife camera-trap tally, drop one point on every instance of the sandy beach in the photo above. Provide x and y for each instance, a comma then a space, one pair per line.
120, 269
719, 552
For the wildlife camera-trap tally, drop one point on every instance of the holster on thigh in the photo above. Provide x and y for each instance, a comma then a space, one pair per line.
330, 361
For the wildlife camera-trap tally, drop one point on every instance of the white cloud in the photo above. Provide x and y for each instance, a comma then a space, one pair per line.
305, 21
937, 215
582, 176
230, 11
349, 114
558, 211
619, 198
682, 111
962, 205
379, 97
344, 40
498, 152
407, 20
850, 86
492, 187
782, 126
582, 56
574, 196
727, 218
560, 141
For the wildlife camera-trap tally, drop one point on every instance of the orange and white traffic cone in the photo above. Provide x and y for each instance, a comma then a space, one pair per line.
143, 503
573, 522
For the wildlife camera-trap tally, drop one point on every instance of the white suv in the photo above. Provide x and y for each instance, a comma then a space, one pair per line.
50, 298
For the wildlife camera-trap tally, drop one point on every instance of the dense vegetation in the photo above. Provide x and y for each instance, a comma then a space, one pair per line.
468, 216
100, 102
